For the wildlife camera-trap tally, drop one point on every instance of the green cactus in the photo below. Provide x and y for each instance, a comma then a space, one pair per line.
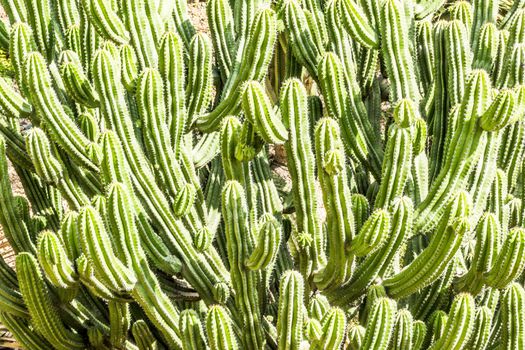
276, 185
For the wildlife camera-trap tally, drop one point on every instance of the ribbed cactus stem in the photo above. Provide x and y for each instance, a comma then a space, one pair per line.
291, 314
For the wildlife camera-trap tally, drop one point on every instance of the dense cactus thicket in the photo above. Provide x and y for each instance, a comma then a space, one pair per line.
153, 215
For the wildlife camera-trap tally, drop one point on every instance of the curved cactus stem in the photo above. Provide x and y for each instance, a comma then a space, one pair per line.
378, 262
105, 20
23, 332
458, 162
485, 254
54, 261
357, 24
199, 272
44, 314
15, 230
60, 126
258, 50
429, 265
510, 261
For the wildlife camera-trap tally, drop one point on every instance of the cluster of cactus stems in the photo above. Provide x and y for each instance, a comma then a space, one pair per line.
153, 217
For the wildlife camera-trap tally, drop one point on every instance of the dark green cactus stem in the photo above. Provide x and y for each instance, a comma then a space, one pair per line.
301, 163
240, 245
434, 259
143, 337
23, 332
291, 314
15, 230
44, 314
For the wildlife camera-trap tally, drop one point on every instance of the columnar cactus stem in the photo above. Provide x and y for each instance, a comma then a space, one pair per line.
199, 87
334, 183
240, 245
291, 314
223, 34
294, 110
395, 48
171, 66
513, 318
380, 324
117, 116
460, 324
219, 329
